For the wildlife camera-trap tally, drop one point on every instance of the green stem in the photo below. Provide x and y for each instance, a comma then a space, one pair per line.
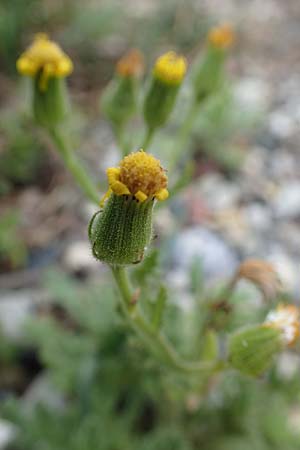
183, 136
148, 138
119, 135
74, 165
154, 339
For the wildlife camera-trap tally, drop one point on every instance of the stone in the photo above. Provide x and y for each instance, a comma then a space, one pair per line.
78, 257
281, 124
15, 309
217, 259
258, 216
286, 203
7, 433
217, 192
252, 94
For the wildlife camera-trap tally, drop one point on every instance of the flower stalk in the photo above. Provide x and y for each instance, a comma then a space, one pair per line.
157, 342
72, 163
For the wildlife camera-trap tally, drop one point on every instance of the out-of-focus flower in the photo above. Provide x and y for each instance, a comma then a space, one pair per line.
46, 63
131, 65
45, 59
167, 76
252, 349
262, 274
119, 100
120, 233
221, 37
170, 68
209, 74
286, 319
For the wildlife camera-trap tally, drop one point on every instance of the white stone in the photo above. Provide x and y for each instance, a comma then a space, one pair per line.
252, 94
287, 201
257, 216
217, 192
288, 365
15, 310
217, 259
281, 124
78, 256
7, 432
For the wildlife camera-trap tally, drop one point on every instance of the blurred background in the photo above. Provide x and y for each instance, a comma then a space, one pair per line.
244, 201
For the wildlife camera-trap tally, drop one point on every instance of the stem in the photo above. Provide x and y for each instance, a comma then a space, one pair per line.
148, 138
119, 135
184, 133
154, 339
74, 165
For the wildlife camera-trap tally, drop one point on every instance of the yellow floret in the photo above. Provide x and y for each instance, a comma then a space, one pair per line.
170, 68
140, 175
44, 56
131, 64
221, 37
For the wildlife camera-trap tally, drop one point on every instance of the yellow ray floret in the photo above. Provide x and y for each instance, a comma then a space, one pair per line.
45, 57
285, 318
221, 37
139, 174
170, 68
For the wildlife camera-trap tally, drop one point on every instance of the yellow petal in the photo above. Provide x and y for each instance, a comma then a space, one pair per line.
141, 196
112, 174
120, 188
64, 67
161, 195
26, 67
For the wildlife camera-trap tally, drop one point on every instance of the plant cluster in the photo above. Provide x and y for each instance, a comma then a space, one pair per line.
137, 370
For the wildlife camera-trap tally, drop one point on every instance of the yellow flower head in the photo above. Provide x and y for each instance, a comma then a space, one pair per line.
140, 175
221, 37
46, 57
170, 68
131, 64
285, 318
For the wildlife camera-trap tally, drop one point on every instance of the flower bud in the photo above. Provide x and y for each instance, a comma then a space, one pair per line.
168, 73
47, 65
252, 350
209, 74
120, 233
119, 100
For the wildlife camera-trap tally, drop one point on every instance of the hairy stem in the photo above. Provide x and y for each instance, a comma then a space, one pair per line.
157, 342
74, 166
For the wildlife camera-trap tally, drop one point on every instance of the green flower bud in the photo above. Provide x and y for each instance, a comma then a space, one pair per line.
120, 233
50, 107
168, 73
209, 74
46, 63
119, 100
253, 349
